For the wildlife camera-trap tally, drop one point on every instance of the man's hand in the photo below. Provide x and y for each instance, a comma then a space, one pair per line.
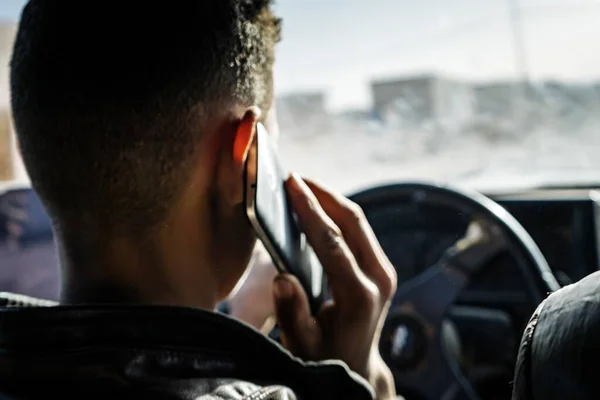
253, 302
362, 282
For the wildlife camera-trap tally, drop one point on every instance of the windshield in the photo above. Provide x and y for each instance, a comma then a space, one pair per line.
487, 94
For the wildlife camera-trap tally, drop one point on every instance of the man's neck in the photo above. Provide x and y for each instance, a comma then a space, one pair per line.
125, 272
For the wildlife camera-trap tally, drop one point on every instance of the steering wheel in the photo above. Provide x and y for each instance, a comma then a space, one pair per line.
412, 338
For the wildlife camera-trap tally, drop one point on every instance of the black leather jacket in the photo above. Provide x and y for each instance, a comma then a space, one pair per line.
150, 352
560, 349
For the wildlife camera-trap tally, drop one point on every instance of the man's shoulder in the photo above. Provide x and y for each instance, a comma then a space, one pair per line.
569, 320
575, 304
563, 338
178, 352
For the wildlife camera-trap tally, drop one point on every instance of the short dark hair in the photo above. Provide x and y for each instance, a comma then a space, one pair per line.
108, 96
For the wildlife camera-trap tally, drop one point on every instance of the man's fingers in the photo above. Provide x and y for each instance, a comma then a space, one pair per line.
360, 237
299, 330
349, 286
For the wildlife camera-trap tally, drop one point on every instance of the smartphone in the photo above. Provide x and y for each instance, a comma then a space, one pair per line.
276, 226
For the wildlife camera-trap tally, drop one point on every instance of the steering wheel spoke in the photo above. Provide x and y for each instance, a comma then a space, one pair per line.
412, 336
430, 294
411, 339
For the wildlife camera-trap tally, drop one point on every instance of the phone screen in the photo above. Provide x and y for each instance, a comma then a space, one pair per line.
271, 215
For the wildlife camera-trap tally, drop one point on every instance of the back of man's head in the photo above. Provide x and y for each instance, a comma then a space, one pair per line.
110, 96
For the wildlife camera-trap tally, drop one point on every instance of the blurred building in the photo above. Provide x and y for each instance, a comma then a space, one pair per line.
355, 115
560, 105
302, 111
496, 99
425, 98
576, 95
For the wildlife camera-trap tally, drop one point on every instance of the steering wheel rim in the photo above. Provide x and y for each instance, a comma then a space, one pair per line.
482, 204
536, 271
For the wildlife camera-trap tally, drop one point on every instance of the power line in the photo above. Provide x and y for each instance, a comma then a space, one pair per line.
522, 69
516, 22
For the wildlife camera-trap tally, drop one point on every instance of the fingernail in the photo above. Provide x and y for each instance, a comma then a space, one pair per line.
295, 183
283, 288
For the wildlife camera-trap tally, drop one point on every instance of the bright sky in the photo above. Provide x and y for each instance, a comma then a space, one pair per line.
339, 45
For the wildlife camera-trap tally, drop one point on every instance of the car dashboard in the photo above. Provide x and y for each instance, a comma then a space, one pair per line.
564, 225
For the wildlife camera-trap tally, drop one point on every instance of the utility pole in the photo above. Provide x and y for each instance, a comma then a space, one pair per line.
523, 79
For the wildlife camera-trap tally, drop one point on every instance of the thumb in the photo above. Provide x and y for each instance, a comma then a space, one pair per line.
300, 333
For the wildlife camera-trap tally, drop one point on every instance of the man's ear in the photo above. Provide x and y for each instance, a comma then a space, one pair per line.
238, 154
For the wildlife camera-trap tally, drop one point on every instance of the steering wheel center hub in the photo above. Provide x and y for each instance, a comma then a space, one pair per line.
404, 342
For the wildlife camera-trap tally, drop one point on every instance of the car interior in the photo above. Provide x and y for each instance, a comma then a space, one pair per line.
460, 329
476, 250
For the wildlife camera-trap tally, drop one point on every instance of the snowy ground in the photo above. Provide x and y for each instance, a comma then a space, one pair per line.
352, 156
